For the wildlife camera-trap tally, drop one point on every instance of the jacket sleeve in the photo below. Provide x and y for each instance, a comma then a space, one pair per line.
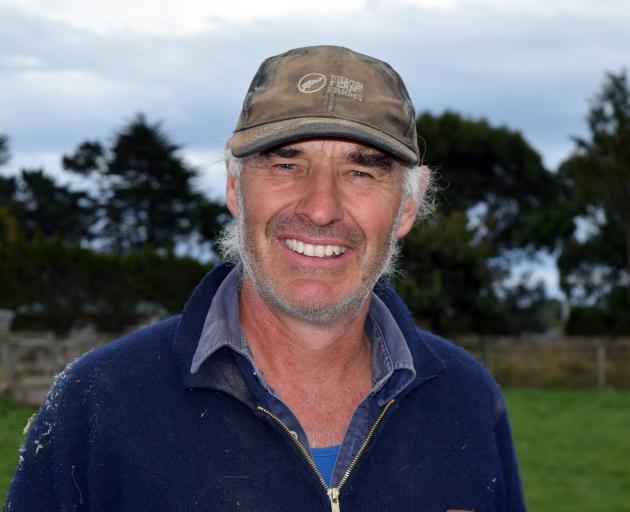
510, 499
52, 468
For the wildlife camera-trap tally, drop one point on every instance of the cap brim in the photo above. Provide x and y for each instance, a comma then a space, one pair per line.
258, 138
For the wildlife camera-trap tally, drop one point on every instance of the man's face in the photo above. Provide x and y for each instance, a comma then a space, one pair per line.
318, 219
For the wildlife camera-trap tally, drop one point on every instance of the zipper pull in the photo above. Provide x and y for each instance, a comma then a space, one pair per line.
333, 496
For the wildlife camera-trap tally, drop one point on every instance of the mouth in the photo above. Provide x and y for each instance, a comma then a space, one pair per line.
315, 250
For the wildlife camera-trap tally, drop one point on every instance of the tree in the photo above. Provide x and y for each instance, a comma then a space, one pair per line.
4, 149
446, 281
147, 194
45, 208
41, 207
595, 259
59, 286
492, 187
8, 189
9, 229
490, 173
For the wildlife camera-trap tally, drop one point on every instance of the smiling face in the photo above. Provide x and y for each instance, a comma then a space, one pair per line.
318, 221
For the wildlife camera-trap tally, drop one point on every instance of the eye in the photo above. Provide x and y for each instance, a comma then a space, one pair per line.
285, 166
361, 174
286, 170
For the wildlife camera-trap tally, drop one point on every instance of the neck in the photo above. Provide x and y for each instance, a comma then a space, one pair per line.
321, 372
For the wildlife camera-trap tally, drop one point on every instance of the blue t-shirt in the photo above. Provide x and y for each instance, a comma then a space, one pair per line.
325, 459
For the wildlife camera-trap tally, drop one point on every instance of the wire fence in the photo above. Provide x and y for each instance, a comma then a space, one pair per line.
554, 362
29, 361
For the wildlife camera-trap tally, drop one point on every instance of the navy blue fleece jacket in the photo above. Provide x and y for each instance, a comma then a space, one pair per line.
129, 428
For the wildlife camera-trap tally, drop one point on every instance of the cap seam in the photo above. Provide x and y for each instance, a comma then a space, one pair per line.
251, 93
405, 93
323, 115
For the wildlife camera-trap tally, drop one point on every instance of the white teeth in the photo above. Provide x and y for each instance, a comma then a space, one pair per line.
318, 251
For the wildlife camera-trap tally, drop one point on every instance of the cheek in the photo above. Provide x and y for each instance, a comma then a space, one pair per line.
375, 215
261, 209
374, 199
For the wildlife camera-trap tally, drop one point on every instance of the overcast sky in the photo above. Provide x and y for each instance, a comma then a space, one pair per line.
72, 70
76, 69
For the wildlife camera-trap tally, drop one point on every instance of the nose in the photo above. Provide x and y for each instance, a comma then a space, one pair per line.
320, 199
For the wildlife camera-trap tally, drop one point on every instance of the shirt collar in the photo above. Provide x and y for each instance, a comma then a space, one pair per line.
222, 326
390, 351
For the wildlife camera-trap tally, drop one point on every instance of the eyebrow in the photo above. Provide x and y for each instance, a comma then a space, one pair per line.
281, 151
359, 156
369, 158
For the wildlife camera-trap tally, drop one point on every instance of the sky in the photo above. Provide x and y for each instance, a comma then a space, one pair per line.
72, 70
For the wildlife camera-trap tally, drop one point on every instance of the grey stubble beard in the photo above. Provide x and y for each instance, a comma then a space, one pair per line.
346, 308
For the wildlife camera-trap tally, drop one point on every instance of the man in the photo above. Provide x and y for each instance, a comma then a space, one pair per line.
295, 379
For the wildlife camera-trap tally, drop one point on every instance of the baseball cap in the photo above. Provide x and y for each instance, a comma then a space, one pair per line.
327, 91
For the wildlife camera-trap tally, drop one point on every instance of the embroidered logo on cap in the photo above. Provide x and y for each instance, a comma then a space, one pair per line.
346, 87
339, 85
312, 82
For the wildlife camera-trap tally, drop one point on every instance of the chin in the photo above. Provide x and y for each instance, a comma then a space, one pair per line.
325, 312
314, 295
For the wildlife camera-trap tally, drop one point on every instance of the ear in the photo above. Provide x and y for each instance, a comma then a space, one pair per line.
407, 218
410, 212
231, 195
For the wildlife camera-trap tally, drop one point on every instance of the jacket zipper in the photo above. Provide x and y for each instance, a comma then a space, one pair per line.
332, 492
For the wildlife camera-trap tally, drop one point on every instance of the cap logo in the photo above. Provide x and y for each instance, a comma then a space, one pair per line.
312, 82
346, 87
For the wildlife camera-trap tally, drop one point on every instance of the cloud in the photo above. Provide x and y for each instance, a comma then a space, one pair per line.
164, 17
190, 17
72, 70
78, 70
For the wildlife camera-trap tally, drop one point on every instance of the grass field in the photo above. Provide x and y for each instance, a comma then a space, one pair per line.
12, 421
573, 446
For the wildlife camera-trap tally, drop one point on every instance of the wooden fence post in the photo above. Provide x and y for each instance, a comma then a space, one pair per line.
7, 365
601, 364
486, 353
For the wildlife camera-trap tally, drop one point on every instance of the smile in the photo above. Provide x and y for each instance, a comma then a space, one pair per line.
318, 251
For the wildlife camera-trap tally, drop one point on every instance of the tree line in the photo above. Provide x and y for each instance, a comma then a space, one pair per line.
106, 253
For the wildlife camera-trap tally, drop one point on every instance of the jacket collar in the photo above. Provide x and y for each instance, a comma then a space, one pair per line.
221, 373
427, 363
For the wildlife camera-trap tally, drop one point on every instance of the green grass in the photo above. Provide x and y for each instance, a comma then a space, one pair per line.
12, 421
573, 447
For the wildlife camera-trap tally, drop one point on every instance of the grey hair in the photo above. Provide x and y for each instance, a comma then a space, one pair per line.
227, 242
417, 183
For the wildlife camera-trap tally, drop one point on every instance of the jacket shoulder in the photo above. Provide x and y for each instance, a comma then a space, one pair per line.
156, 339
62, 437
462, 370
452, 354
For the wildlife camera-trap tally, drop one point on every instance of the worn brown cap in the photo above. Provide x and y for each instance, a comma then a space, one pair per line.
327, 91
